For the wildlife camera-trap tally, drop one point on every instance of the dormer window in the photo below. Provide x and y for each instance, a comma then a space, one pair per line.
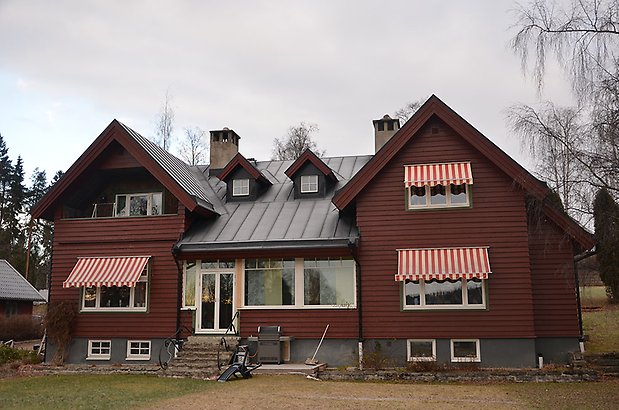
143, 204
309, 183
240, 187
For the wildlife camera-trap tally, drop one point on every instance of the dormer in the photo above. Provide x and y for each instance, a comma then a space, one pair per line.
312, 178
244, 182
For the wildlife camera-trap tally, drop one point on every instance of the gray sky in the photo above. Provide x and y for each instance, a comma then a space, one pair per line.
67, 68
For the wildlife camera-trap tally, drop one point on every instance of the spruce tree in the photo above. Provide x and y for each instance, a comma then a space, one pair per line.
606, 217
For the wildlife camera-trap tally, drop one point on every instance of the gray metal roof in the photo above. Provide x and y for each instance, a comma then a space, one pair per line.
13, 286
274, 219
177, 169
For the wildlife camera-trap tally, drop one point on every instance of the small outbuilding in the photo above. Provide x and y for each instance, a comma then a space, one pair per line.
16, 293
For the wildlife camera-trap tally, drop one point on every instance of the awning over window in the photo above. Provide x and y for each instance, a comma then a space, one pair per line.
108, 271
456, 173
443, 263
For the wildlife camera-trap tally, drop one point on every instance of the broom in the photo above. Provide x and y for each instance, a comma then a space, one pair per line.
313, 360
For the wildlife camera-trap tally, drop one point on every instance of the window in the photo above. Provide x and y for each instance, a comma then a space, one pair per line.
189, 285
421, 350
240, 187
269, 282
444, 294
117, 298
139, 204
298, 283
328, 282
309, 183
138, 350
438, 196
465, 350
99, 349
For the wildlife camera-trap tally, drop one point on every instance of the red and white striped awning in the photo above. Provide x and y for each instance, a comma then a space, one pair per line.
456, 173
107, 271
443, 263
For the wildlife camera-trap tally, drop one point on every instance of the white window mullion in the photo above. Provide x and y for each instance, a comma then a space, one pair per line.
299, 288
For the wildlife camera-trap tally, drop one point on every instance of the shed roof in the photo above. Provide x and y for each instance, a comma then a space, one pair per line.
13, 286
276, 219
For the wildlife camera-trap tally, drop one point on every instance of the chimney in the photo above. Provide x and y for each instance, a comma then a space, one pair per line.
384, 130
224, 146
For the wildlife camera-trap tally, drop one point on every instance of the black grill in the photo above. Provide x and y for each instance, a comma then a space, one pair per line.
269, 350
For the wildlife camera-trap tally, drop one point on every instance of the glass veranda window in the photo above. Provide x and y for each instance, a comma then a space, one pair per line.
269, 282
139, 204
329, 282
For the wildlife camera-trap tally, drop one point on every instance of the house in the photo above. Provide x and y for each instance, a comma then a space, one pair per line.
438, 247
16, 293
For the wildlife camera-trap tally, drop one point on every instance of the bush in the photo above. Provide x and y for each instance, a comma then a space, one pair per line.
376, 360
11, 355
59, 325
20, 327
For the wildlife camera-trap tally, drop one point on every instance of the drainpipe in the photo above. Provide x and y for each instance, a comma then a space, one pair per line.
577, 259
179, 293
49, 294
353, 250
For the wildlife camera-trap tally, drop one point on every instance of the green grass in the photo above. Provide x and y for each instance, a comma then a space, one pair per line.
92, 391
588, 395
593, 296
600, 325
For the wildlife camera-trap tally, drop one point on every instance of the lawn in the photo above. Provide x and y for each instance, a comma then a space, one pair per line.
127, 391
602, 324
92, 391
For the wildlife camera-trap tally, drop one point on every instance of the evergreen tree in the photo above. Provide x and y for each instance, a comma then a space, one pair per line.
606, 216
15, 218
6, 172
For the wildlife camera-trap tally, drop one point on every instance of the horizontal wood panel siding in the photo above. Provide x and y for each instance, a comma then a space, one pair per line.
496, 219
152, 236
554, 292
302, 323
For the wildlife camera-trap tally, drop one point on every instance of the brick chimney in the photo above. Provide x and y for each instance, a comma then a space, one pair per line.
384, 130
224, 146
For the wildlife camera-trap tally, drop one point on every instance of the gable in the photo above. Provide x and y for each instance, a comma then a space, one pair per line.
119, 147
435, 108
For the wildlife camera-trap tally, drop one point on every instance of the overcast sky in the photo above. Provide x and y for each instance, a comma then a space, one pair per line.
67, 68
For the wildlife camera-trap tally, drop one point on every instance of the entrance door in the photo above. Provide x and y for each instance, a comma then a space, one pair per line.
216, 307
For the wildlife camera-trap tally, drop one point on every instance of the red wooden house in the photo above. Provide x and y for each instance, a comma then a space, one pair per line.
438, 247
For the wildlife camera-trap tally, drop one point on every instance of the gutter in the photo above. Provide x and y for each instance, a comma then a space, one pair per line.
577, 259
327, 243
179, 290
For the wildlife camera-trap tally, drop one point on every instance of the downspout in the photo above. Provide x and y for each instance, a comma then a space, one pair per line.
49, 291
179, 292
577, 259
353, 250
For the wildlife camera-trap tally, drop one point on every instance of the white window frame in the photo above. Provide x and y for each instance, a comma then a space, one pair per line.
309, 184
299, 291
185, 306
240, 187
138, 356
99, 356
420, 358
149, 209
144, 277
447, 204
475, 359
465, 305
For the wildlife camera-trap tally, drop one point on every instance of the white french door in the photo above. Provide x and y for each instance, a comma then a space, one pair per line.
215, 308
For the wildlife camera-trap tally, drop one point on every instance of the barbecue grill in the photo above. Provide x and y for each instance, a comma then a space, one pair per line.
269, 350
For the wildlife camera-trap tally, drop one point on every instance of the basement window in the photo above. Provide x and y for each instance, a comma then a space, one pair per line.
421, 350
465, 350
99, 349
138, 350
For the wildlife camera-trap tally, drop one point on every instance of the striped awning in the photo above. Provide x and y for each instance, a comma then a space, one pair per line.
107, 271
443, 263
456, 173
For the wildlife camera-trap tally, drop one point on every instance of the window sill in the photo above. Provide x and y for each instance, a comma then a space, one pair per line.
422, 359
98, 358
304, 307
437, 207
442, 308
136, 358
465, 360
114, 310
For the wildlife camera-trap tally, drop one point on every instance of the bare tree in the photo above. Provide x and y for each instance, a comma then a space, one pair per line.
297, 140
557, 138
165, 124
404, 113
584, 38
193, 146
